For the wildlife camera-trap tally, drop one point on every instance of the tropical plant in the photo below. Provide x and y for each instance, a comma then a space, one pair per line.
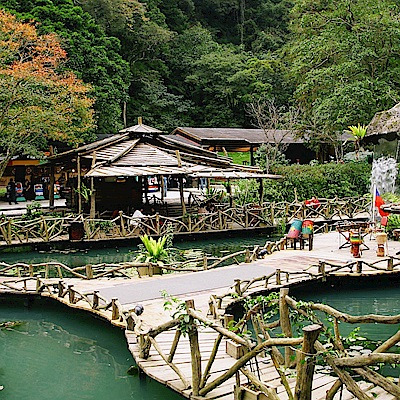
358, 133
155, 250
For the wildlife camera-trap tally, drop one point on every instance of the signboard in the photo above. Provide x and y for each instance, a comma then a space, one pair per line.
38, 188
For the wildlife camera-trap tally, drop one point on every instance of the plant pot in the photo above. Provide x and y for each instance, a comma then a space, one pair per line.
243, 392
142, 271
235, 350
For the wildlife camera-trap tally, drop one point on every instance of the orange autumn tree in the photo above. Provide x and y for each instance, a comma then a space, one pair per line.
39, 101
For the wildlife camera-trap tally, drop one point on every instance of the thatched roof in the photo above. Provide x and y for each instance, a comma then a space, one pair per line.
137, 154
385, 122
236, 135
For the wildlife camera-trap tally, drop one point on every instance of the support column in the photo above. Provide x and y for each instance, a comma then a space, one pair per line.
78, 171
93, 191
52, 181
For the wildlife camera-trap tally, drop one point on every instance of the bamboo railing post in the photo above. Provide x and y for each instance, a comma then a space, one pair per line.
247, 256
306, 364
30, 270
246, 218
123, 229
390, 264
9, 232
174, 345
38, 283
158, 223
71, 294
89, 271
278, 277
114, 309
221, 226
237, 287
205, 262
47, 270
285, 323
95, 305
359, 266
60, 288
130, 322
194, 351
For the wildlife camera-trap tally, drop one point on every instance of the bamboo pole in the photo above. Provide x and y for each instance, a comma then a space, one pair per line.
194, 351
246, 358
171, 365
79, 183
306, 363
285, 323
379, 380
210, 361
270, 393
174, 345
344, 376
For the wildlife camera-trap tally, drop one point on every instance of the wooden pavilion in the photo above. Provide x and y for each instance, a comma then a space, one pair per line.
245, 140
111, 174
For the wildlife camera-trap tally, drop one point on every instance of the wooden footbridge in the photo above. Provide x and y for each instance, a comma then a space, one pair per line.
187, 341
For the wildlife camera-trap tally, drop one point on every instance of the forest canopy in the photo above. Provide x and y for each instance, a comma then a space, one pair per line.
202, 62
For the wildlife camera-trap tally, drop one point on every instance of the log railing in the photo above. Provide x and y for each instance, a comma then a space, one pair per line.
47, 229
337, 358
192, 321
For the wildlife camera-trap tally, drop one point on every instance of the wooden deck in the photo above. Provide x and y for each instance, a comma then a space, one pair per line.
304, 263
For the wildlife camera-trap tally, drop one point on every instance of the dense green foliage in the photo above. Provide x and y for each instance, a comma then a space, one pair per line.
202, 62
322, 181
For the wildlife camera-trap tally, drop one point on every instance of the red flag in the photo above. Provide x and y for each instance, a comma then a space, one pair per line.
378, 203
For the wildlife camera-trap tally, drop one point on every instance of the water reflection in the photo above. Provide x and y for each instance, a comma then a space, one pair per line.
58, 353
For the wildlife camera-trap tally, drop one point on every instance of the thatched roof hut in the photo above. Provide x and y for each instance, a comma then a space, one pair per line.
115, 168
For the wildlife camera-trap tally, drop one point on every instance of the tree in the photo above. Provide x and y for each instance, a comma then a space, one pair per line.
37, 102
344, 59
278, 124
92, 55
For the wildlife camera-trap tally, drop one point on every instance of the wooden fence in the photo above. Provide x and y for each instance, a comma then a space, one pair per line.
191, 322
48, 229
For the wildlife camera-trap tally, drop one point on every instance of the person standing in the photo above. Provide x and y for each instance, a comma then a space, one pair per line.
11, 192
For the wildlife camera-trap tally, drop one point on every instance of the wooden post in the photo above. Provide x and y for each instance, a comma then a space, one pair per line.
194, 351
359, 267
78, 171
51, 188
205, 262
278, 277
227, 319
89, 271
71, 294
306, 364
60, 289
38, 283
180, 180
95, 305
46, 272
261, 190
247, 256
121, 218
238, 290
130, 322
115, 311
285, 323
390, 265
93, 191
30, 270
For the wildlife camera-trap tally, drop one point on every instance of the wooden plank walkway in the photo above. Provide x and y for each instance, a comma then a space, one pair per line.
135, 291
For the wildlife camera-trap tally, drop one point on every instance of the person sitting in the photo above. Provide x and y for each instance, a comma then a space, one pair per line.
136, 217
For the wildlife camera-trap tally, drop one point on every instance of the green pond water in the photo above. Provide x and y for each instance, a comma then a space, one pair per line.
58, 353
75, 258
